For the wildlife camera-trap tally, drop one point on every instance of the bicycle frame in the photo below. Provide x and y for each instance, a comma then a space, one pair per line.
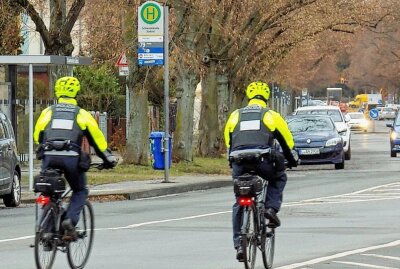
258, 202
42, 201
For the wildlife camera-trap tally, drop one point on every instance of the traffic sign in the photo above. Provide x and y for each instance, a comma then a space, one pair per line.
151, 34
373, 113
123, 71
151, 19
122, 61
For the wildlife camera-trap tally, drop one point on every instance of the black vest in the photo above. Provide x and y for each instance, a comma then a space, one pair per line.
250, 131
63, 124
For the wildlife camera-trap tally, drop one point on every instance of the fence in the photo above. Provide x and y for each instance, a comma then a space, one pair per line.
114, 129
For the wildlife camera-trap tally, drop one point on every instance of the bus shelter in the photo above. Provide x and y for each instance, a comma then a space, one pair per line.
30, 60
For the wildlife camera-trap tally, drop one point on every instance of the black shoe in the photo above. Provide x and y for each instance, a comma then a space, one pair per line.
274, 221
239, 254
70, 233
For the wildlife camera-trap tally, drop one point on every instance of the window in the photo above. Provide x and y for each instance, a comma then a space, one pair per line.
2, 131
334, 114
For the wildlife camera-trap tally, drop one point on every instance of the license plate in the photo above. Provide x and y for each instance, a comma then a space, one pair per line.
309, 151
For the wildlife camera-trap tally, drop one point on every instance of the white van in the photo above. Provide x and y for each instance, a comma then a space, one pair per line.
337, 116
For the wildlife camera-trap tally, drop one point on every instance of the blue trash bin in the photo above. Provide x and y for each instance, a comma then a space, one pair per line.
157, 150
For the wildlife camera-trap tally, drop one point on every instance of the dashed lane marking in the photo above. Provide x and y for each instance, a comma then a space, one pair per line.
382, 257
364, 265
340, 255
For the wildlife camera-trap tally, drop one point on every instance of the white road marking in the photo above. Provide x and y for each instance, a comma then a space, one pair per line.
163, 221
16, 239
382, 256
339, 255
364, 265
334, 199
353, 197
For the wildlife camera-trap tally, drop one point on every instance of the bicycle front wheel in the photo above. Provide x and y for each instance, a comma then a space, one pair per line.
78, 251
45, 244
268, 247
249, 237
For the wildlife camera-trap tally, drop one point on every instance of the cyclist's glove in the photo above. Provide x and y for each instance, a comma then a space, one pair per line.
294, 160
109, 160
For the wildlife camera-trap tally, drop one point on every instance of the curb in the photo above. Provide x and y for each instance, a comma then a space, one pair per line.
140, 194
177, 189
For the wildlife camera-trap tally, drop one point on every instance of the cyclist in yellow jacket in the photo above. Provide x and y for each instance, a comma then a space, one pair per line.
59, 130
256, 127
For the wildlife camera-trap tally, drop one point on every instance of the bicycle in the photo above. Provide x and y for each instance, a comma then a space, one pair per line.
251, 190
50, 211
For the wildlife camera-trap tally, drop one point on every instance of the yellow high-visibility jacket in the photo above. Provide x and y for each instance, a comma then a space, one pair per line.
84, 120
272, 120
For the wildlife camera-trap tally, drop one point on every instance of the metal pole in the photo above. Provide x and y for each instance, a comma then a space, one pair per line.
166, 96
272, 96
127, 109
30, 127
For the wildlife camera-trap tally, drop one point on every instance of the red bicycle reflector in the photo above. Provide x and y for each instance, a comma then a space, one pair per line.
245, 201
43, 200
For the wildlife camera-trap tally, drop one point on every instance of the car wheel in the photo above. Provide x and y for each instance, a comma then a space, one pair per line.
14, 198
393, 154
347, 155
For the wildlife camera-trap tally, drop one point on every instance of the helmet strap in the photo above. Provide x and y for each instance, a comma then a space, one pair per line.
259, 97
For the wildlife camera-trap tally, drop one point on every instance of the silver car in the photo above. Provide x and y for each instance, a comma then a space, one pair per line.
10, 169
387, 113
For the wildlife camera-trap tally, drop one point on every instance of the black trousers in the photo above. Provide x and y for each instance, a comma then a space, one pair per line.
75, 178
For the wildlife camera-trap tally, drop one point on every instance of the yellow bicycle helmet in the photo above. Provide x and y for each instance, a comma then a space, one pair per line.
258, 88
67, 86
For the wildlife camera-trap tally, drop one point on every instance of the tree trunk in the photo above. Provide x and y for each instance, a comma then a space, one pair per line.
223, 100
137, 150
183, 135
210, 136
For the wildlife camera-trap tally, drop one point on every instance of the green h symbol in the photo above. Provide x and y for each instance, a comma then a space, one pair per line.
151, 11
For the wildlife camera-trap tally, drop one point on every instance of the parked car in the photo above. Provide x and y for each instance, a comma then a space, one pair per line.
337, 117
358, 121
387, 113
10, 169
316, 140
394, 136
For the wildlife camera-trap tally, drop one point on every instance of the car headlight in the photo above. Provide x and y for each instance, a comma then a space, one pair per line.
394, 135
364, 123
333, 142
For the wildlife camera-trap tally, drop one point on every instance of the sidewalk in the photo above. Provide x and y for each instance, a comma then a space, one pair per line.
131, 190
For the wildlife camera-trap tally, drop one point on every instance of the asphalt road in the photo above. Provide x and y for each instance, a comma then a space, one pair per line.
344, 219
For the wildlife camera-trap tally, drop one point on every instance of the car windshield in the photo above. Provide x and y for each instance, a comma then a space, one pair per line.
356, 115
397, 121
335, 114
298, 125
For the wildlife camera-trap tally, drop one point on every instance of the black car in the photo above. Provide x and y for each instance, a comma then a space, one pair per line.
10, 169
317, 140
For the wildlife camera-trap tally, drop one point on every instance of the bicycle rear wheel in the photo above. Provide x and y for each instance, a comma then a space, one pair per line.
78, 251
45, 244
268, 247
249, 237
